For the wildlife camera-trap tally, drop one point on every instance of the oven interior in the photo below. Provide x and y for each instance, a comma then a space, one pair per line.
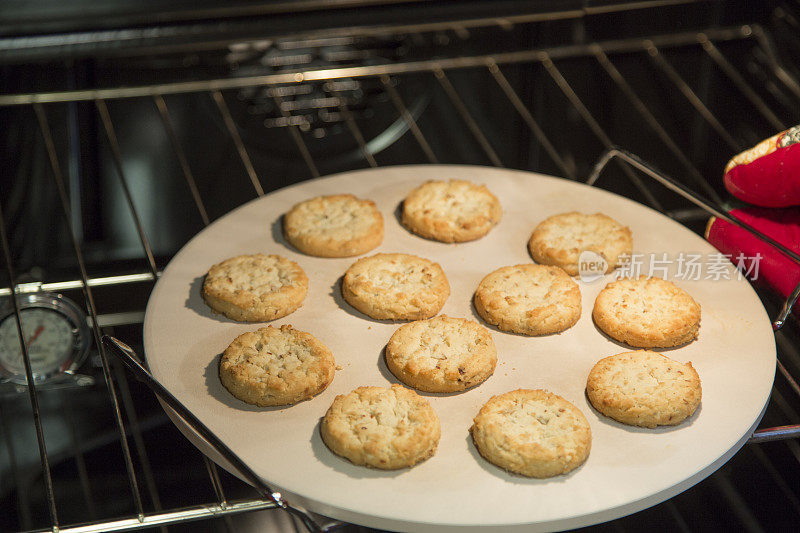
129, 129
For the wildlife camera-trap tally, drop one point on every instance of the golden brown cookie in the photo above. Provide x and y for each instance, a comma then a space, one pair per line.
451, 211
255, 288
647, 313
644, 389
441, 354
560, 239
529, 299
340, 225
276, 366
396, 287
382, 428
532, 432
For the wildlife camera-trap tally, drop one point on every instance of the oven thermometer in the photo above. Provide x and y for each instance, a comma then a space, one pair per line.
56, 333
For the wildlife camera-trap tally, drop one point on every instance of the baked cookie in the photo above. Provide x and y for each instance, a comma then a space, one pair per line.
396, 287
334, 226
560, 239
451, 211
529, 299
255, 288
532, 432
647, 313
276, 366
441, 354
382, 428
644, 389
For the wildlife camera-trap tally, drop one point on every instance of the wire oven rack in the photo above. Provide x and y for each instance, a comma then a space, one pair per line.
710, 42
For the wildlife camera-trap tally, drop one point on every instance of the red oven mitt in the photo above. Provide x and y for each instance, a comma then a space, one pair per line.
745, 249
767, 175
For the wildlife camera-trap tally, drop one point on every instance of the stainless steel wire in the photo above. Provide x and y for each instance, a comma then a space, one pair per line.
90, 306
462, 110
537, 131
661, 62
116, 154
357, 135
230, 125
297, 138
653, 123
781, 73
408, 118
32, 395
138, 440
389, 69
736, 77
576, 102
161, 104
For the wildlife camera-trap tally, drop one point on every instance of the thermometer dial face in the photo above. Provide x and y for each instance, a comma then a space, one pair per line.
56, 338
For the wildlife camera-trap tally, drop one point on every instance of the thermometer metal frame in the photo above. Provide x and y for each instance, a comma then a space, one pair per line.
68, 310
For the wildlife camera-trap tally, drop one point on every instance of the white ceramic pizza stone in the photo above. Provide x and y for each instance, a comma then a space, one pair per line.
628, 469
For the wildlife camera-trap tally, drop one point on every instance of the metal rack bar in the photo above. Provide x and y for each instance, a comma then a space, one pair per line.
523, 56
408, 118
596, 128
161, 104
791, 414
357, 135
653, 123
138, 440
32, 396
739, 81
182, 515
789, 379
537, 131
298, 140
90, 305
79, 283
116, 154
462, 110
230, 125
764, 42
216, 483
657, 58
